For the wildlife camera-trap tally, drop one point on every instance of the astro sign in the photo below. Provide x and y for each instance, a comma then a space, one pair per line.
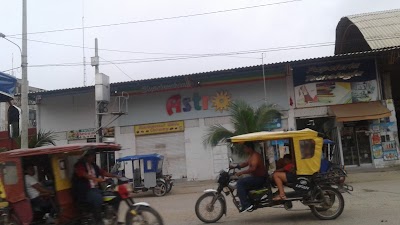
177, 103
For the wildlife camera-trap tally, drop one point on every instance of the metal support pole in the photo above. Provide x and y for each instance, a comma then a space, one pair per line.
265, 84
98, 105
24, 85
340, 144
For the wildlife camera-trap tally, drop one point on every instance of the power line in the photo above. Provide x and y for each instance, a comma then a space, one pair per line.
144, 60
163, 18
125, 51
11, 69
186, 57
117, 68
184, 54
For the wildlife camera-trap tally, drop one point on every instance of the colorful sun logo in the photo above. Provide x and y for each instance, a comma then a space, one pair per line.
221, 101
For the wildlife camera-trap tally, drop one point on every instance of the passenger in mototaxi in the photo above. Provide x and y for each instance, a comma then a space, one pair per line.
307, 149
39, 195
283, 175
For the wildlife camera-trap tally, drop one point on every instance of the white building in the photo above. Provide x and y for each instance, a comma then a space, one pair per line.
169, 116
351, 97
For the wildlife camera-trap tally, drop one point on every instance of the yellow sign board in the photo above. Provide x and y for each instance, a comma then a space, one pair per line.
159, 128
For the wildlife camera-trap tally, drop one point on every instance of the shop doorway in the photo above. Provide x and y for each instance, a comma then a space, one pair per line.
323, 125
394, 71
356, 143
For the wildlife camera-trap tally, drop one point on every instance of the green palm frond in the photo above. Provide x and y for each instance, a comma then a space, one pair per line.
263, 115
42, 138
245, 119
242, 117
216, 134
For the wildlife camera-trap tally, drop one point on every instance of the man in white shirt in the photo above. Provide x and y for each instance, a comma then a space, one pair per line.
39, 195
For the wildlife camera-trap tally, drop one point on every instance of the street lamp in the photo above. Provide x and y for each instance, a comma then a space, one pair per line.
24, 94
4, 36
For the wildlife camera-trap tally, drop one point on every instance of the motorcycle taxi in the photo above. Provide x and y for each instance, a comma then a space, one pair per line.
54, 166
313, 188
147, 173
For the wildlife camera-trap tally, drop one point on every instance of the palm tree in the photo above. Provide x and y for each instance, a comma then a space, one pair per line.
42, 138
245, 119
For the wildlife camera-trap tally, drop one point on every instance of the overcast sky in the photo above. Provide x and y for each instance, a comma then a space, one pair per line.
286, 24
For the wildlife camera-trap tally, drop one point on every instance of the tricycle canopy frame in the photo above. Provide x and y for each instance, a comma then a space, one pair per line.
155, 160
70, 148
303, 141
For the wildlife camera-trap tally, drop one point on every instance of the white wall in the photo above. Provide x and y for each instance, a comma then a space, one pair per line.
73, 112
199, 164
3, 116
63, 113
151, 108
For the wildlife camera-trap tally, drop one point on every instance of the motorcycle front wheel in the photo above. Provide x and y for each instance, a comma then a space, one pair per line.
208, 212
332, 204
161, 189
143, 215
169, 186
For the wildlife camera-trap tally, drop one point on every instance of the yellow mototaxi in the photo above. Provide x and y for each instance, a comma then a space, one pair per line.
315, 189
305, 146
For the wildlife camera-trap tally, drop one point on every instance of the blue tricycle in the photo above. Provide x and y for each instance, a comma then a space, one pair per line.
147, 173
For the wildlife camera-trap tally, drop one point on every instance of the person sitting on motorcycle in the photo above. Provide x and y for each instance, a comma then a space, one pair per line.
257, 179
283, 175
86, 179
40, 196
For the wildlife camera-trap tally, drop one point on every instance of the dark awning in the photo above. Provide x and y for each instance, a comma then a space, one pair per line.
7, 87
360, 111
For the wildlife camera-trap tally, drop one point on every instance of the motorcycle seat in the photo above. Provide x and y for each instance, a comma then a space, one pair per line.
259, 191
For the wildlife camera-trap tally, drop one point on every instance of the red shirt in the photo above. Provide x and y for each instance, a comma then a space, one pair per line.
289, 168
81, 171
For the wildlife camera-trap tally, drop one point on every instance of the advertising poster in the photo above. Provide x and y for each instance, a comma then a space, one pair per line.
390, 155
376, 138
390, 151
389, 146
377, 151
89, 133
335, 83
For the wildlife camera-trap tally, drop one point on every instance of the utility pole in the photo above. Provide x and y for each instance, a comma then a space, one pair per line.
98, 104
83, 42
265, 84
24, 85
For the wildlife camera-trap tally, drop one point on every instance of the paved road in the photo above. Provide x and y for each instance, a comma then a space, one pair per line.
372, 202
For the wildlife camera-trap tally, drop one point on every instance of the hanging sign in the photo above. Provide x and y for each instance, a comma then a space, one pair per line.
159, 128
335, 83
89, 133
178, 104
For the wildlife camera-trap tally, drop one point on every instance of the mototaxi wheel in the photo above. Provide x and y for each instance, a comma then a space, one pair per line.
9, 221
332, 204
142, 216
332, 199
160, 189
203, 208
169, 186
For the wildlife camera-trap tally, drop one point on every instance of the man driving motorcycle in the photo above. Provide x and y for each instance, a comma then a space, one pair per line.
86, 179
257, 171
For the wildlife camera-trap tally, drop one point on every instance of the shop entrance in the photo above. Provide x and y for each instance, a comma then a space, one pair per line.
323, 125
356, 143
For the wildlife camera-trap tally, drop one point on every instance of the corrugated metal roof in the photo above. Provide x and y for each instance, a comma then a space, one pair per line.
380, 29
299, 62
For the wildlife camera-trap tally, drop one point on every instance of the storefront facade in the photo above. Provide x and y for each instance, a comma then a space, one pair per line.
342, 98
167, 117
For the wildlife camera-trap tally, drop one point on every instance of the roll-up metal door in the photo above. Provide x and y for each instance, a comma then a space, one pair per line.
171, 146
